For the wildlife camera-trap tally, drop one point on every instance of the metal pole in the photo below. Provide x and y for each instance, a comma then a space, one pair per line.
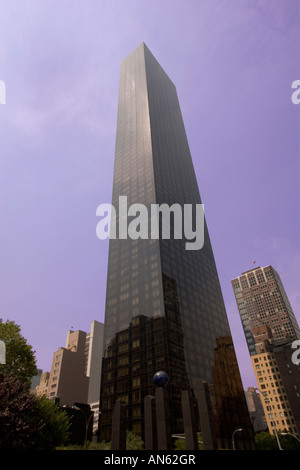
272, 418
237, 430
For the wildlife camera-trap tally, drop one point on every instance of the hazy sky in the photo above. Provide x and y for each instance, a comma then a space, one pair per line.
233, 63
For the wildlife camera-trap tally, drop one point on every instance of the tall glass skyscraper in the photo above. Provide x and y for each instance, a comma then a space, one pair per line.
164, 306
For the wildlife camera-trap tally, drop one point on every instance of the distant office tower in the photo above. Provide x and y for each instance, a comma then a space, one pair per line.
35, 380
256, 410
68, 381
76, 368
262, 300
42, 387
270, 329
164, 306
94, 348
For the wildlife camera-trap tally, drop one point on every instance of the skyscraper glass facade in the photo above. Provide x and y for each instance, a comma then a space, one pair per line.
164, 306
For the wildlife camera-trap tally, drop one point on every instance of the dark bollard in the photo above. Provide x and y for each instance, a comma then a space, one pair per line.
118, 434
190, 429
164, 435
150, 423
205, 415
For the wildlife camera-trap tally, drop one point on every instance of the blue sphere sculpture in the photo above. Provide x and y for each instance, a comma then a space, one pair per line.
160, 378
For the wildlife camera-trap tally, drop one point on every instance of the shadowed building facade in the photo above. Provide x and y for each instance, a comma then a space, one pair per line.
164, 306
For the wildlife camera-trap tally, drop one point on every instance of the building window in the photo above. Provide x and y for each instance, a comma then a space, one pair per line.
236, 286
269, 275
260, 278
252, 280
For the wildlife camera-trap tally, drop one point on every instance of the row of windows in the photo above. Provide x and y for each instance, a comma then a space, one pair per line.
275, 401
252, 279
263, 305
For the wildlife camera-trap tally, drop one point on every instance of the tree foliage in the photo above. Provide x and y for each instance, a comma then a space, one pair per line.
179, 444
56, 424
265, 441
133, 441
18, 414
28, 422
20, 358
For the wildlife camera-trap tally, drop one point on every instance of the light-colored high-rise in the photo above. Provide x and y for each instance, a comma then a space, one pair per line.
271, 328
68, 381
76, 369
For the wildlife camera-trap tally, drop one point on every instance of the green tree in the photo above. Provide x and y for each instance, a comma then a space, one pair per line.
55, 425
29, 422
179, 444
265, 441
20, 358
133, 441
289, 442
19, 416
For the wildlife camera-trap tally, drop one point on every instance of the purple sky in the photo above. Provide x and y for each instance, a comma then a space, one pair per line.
233, 63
